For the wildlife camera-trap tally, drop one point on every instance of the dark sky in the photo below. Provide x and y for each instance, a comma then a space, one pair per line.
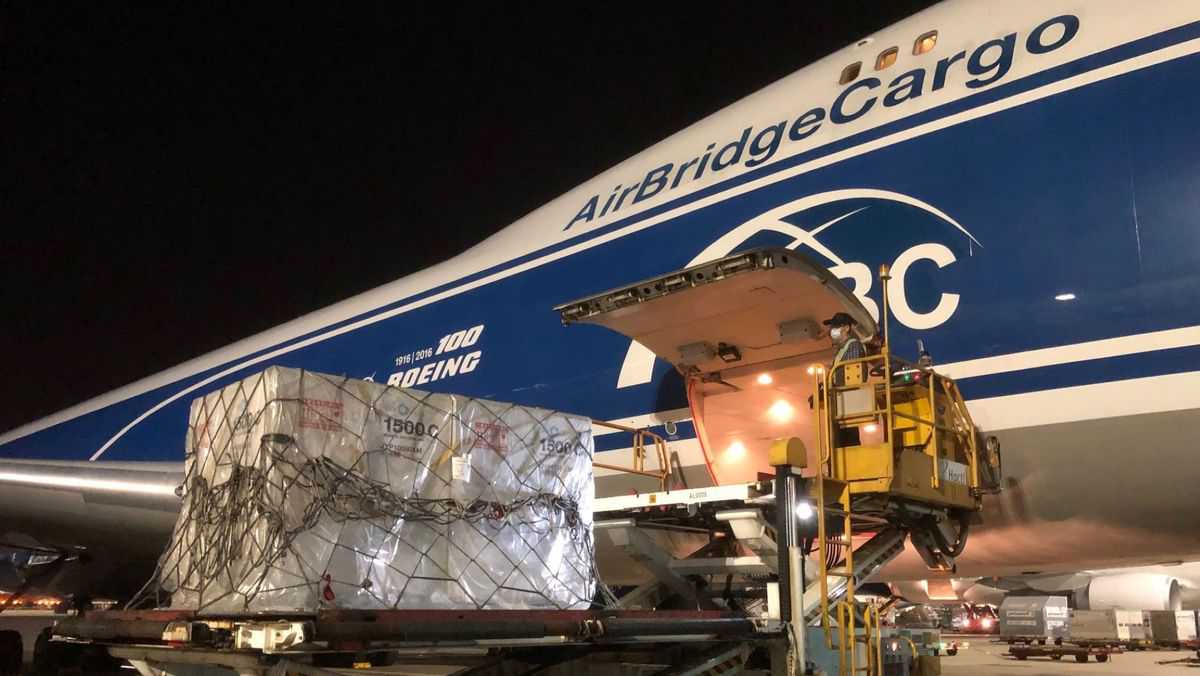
175, 180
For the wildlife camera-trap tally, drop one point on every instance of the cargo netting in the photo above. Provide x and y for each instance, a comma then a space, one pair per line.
306, 491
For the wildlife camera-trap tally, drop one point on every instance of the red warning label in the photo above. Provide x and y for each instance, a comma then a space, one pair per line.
490, 435
320, 414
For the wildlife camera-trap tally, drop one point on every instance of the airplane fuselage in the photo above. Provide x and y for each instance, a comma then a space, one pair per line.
1032, 180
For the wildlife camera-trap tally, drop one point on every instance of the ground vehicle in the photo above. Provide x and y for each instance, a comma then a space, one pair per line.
976, 619
1057, 652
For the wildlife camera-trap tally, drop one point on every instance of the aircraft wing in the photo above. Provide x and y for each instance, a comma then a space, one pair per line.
112, 520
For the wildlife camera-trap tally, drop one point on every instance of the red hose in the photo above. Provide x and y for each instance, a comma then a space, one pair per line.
696, 422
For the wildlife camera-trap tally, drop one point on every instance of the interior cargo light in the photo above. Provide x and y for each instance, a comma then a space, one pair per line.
870, 428
804, 511
765, 379
1065, 296
735, 452
781, 411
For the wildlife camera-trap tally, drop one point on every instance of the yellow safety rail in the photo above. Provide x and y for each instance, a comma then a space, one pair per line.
957, 422
873, 636
906, 401
843, 472
663, 475
848, 641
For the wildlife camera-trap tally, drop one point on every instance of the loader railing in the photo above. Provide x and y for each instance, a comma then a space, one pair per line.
640, 437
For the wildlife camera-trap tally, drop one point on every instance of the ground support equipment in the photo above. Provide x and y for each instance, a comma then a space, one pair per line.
1081, 653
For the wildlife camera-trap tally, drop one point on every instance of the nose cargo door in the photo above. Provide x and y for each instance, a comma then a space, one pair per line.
744, 330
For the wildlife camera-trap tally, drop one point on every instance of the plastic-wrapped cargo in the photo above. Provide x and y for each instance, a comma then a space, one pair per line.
305, 491
1034, 618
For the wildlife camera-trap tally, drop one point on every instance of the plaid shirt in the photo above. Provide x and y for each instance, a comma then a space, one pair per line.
851, 349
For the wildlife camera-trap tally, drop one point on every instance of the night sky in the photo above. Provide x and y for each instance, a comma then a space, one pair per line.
176, 180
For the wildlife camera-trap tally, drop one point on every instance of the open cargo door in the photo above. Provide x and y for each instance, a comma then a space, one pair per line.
744, 331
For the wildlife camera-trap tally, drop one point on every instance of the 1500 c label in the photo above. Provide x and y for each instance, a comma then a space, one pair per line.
404, 437
446, 367
560, 446
403, 426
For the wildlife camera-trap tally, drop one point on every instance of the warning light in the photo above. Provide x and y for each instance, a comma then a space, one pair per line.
765, 379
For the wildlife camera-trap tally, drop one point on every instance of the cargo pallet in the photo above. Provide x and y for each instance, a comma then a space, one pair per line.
1081, 653
764, 631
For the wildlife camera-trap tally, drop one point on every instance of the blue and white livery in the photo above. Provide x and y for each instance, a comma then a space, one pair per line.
1030, 172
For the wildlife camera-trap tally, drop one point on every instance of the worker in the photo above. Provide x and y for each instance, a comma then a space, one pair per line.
846, 342
848, 346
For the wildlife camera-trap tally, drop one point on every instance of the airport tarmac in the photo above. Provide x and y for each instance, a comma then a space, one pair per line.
984, 658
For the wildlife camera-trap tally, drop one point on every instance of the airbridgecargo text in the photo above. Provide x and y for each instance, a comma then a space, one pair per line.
987, 64
443, 368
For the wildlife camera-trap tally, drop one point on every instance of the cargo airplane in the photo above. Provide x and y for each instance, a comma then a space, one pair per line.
1028, 170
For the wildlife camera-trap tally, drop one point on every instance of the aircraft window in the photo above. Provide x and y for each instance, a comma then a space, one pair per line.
849, 73
886, 58
925, 43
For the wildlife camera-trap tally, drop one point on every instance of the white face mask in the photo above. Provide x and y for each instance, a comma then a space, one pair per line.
837, 332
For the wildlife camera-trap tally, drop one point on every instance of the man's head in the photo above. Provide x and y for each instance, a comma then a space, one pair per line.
839, 327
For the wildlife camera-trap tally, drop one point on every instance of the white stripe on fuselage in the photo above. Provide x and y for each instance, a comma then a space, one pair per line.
1153, 394
1188, 336
645, 420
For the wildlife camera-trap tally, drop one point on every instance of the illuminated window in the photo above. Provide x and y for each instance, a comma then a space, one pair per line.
886, 58
925, 43
849, 73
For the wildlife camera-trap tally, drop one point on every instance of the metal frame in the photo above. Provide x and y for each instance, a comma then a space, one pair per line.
663, 475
